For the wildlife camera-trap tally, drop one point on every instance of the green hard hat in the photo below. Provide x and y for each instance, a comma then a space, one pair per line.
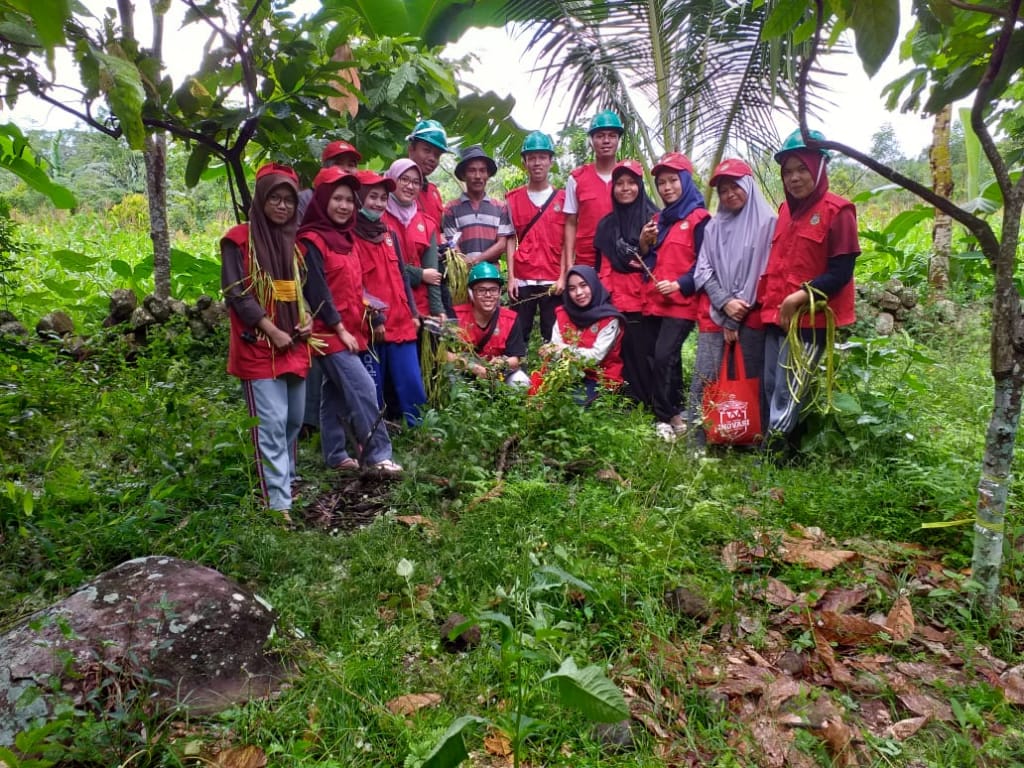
485, 270
538, 141
431, 132
606, 119
795, 140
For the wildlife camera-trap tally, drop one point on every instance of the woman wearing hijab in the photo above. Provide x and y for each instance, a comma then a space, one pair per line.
588, 328
261, 276
619, 251
812, 257
417, 237
732, 258
670, 301
392, 359
334, 290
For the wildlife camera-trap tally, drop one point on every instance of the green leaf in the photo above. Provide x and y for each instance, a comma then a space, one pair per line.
451, 749
590, 692
783, 17
74, 261
906, 221
120, 81
49, 17
121, 268
876, 24
844, 402
197, 163
17, 157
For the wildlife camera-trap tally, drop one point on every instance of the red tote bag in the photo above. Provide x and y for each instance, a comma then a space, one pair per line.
732, 406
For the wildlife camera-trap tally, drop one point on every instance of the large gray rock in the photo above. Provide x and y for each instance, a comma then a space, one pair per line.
122, 303
159, 308
182, 633
55, 324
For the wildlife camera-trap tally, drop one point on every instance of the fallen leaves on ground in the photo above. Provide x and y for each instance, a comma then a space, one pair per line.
413, 702
241, 757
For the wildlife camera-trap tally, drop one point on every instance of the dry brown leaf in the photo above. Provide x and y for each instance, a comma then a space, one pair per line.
925, 705
241, 757
840, 674
609, 475
1012, 683
735, 555
772, 740
900, 620
904, 729
779, 692
802, 552
846, 630
837, 734
412, 520
929, 674
778, 594
842, 600
652, 725
413, 702
498, 744
347, 79
874, 714
742, 679
777, 495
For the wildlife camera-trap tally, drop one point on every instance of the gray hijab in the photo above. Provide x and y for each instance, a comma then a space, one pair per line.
736, 246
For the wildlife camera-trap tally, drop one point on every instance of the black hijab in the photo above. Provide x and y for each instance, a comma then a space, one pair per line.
600, 305
618, 234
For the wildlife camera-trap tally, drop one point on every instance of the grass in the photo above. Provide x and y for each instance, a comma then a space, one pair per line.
105, 460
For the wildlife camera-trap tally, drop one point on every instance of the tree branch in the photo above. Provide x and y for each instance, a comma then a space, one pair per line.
990, 10
86, 116
175, 129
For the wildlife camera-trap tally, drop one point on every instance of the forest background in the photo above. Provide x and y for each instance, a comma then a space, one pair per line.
565, 535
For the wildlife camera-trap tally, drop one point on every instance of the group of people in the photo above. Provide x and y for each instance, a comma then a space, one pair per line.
348, 274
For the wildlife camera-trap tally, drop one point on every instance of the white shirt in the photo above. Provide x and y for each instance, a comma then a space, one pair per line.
572, 205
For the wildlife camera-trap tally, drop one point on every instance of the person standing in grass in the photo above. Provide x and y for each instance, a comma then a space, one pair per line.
478, 224
588, 328
588, 192
536, 263
732, 259
670, 301
808, 281
427, 142
619, 246
261, 276
392, 359
492, 332
334, 291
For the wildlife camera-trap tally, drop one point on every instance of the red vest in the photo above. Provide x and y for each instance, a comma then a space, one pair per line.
608, 370
472, 333
800, 254
594, 202
538, 256
344, 276
382, 277
414, 240
676, 256
257, 359
627, 289
430, 204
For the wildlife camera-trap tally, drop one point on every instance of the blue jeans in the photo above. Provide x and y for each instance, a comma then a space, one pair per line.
349, 399
398, 366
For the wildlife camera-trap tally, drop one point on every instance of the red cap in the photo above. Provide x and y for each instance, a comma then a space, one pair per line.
333, 175
336, 148
673, 161
372, 179
731, 167
278, 168
628, 166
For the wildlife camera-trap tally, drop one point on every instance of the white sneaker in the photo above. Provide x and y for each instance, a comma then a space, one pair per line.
387, 466
665, 431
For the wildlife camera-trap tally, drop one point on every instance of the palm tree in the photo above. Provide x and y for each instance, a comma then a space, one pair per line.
687, 75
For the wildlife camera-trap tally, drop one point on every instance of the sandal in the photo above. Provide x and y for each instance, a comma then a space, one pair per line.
387, 467
348, 465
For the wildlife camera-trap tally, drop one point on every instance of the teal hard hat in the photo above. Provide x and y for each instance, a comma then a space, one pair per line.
538, 141
606, 119
431, 132
795, 140
485, 270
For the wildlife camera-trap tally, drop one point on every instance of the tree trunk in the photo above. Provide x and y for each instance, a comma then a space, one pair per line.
155, 155
942, 183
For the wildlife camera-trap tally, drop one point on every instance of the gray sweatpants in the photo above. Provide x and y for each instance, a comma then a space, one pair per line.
278, 405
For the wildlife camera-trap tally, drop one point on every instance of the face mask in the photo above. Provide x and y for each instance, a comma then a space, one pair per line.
371, 215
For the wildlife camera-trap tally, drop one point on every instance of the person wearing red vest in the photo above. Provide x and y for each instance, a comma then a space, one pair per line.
392, 359
588, 192
536, 261
491, 332
812, 257
670, 300
334, 290
417, 238
261, 275
427, 143
588, 328
618, 244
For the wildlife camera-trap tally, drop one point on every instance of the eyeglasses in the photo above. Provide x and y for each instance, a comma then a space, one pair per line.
277, 200
409, 182
487, 291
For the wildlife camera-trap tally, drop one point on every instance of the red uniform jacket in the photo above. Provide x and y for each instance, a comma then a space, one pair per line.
414, 240
608, 370
344, 276
430, 204
473, 333
676, 256
594, 202
256, 357
539, 254
382, 277
800, 254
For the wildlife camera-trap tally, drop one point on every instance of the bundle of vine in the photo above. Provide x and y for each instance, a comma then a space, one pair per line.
456, 274
802, 365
